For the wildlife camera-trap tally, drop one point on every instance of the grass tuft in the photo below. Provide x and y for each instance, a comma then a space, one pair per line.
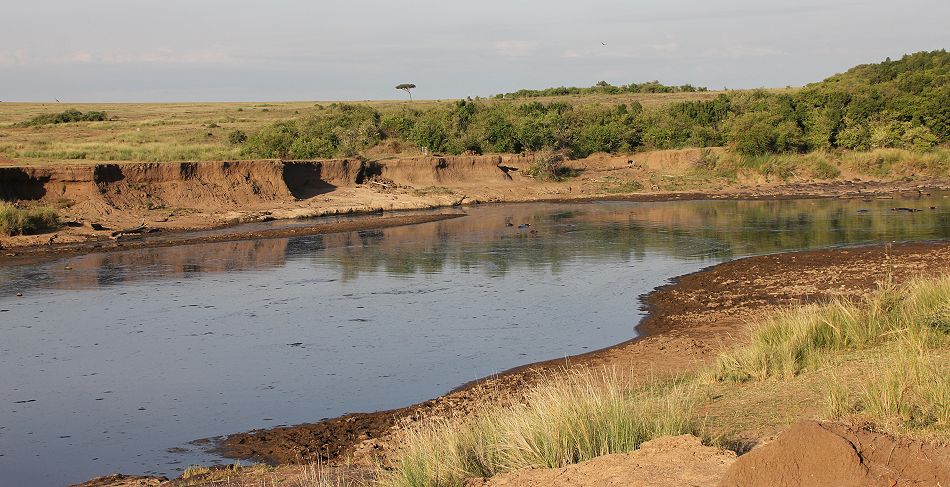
565, 420
27, 221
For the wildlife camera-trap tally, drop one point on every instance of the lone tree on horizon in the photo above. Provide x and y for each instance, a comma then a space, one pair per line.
406, 87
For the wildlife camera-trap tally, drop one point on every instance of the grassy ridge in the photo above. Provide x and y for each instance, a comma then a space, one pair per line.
881, 358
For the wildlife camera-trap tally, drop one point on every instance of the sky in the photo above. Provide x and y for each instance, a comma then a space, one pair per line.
238, 50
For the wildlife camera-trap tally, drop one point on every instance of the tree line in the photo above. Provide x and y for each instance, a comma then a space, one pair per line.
903, 103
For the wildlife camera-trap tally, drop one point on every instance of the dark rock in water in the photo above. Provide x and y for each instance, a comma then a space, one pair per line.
98, 227
509, 224
863, 210
933, 207
524, 225
905, 209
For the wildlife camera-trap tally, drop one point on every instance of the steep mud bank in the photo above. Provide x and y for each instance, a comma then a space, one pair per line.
224, 184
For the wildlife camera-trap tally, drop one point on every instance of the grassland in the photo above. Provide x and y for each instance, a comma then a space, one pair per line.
882, 358
160, 132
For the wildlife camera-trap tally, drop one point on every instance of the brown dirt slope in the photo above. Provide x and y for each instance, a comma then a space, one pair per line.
671, 461
813, 454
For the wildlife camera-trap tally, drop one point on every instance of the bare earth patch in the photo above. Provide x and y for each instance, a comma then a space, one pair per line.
672, 461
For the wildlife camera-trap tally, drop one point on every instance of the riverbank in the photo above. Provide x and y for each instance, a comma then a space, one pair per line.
133, 205
691, 321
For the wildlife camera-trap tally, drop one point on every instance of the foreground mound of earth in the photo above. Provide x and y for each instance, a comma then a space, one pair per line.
671, 461
831, 454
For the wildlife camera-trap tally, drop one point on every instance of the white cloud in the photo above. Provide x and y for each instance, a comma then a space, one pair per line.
516, 48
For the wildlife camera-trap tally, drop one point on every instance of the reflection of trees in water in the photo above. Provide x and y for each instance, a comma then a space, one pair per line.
611, 233
183, 262
600, 232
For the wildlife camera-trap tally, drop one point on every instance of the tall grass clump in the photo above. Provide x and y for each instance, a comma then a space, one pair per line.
571, 418
908, 389
27, 221
793, 340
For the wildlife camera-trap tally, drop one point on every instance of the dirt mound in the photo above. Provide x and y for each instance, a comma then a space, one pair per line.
664, 462
828, 454
440, 171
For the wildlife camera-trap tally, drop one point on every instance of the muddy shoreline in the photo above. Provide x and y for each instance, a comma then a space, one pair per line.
689, 320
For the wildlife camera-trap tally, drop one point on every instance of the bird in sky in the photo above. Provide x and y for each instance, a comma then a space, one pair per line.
604, 43
57, 100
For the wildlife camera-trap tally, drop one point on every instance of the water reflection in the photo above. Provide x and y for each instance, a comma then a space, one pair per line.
558, 233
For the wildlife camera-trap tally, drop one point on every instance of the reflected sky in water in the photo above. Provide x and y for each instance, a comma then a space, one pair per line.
111, 362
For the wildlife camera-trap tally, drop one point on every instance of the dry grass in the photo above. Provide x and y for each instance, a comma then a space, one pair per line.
568, 419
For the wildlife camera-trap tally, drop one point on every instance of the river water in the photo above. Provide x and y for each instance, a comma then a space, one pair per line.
117, 361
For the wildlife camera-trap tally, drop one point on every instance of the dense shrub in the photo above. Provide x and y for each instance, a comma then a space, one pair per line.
67, 116
237, 137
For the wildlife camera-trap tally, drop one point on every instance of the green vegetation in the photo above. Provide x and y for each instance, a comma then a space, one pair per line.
566, 420
602, 88
15, 220
432, 190
895, 104
884, 356
68, 116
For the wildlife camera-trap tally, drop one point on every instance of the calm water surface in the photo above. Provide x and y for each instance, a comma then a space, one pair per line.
117, 363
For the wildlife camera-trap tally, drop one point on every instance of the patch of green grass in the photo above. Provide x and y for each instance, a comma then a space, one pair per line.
798, 339
614, 185
432, 190
27, 221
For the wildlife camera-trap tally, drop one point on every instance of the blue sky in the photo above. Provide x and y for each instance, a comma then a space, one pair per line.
216, 50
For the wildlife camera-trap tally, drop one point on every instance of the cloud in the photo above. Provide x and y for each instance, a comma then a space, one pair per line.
516, 48
571, 54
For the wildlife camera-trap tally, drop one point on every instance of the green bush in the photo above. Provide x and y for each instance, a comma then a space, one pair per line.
27, 221
67, 116
237, 137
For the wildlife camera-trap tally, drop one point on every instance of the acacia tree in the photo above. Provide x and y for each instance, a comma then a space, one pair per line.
406, 87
